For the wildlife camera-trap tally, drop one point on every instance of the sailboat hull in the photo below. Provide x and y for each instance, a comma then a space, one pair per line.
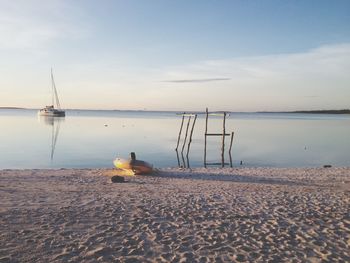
52, 112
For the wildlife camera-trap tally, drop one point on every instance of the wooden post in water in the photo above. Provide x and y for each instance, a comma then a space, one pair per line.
178, 138
205, 137
229, 151
183, 160
223, 142
178, 159
188, 125
190, 140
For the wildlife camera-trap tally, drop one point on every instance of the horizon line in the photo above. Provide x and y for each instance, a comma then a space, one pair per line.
188, 111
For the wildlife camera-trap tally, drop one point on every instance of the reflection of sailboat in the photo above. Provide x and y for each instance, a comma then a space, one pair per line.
55, 123
51, 110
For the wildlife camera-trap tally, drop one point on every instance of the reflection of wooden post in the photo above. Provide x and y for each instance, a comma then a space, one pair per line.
190, 140
183, 160
178, 138
223, 142
188, 125
229, 151
205, 138
178, 159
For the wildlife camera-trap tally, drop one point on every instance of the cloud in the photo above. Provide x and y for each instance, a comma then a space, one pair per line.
196, 80
34, 24
314, 79
313, 97
311, 70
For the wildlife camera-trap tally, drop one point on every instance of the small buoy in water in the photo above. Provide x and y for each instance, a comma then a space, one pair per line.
327, 166
117, 179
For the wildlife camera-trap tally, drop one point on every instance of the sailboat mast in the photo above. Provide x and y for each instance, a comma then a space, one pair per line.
55, 91
52, 91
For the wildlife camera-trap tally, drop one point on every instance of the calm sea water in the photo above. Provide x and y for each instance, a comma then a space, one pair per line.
93, 139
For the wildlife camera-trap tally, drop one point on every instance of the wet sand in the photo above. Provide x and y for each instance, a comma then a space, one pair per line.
199, 215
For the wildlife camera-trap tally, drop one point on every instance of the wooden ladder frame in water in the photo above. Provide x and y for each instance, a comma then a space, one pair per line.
222, 135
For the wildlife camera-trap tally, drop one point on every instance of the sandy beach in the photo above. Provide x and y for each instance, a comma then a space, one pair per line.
198, 215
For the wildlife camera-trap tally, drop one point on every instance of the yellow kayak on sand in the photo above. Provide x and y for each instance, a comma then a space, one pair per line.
132, 165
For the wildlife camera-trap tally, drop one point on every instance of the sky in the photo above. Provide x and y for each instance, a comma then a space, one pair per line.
176, 55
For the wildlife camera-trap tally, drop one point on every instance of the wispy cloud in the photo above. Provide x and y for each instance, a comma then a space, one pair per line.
317, 78
330, 60
196, 80
314, 79
311, 97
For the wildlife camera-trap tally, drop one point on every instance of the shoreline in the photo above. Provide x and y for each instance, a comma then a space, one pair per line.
189, 215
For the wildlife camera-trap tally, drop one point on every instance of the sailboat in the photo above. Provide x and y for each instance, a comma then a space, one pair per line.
51, 110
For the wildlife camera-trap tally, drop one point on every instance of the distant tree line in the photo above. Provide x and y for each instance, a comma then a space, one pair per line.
345, 111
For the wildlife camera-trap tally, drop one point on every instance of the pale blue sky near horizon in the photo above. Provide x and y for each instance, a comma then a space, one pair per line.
176, 55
